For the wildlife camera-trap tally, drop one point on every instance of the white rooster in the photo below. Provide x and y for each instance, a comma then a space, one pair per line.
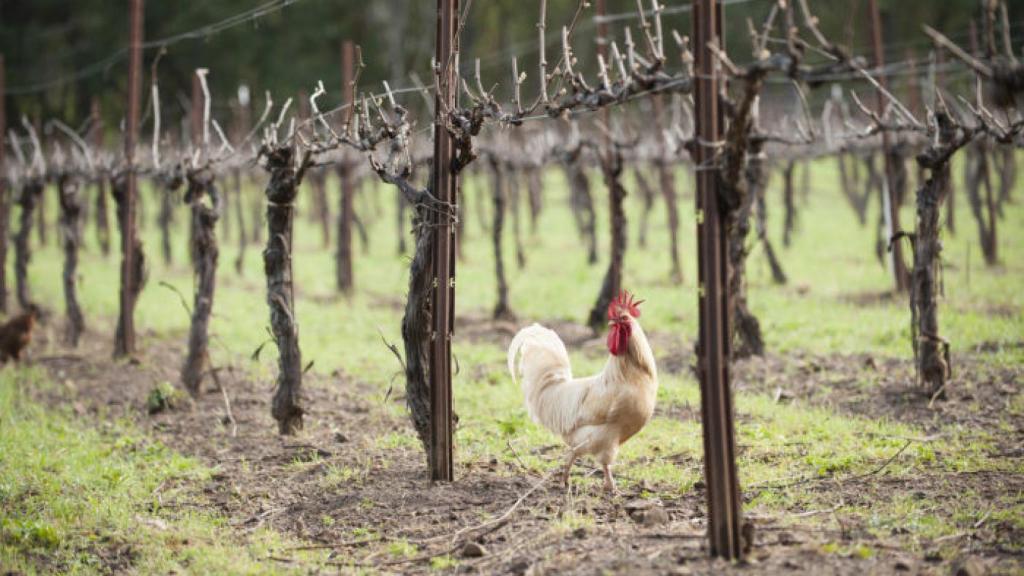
594, 415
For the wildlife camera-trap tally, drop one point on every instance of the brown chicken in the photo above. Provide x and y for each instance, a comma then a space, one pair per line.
597, 414
16, 333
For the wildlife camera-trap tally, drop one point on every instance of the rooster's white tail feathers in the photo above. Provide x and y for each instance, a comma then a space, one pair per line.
552, 398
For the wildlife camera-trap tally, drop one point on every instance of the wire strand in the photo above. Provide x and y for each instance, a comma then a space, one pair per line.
205, 31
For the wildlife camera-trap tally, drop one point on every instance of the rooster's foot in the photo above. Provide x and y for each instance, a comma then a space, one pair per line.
609, 482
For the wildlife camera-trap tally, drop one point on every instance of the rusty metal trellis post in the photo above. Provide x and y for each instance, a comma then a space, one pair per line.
445, 184
723, 497
344, 270
891, 206
126, 345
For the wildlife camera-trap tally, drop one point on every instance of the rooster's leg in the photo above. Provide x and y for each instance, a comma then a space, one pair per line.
609, 481
568, 468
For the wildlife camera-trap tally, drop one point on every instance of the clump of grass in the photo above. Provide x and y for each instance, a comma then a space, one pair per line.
443, 563
163, 397
402, 549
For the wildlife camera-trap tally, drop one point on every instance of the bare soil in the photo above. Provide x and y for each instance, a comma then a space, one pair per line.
264, 480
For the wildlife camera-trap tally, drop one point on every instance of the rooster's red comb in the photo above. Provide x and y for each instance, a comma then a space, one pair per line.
625, 302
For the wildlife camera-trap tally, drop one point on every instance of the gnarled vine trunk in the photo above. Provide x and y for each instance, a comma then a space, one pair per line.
874, 184
667, 181
514, 198
364, 234
481, 204
746, 328
402, 205
243, 236
983, 207
5, 225
71, 239
581, 202
168, 191
789, 222
847, 183
535, 189
1007, 162
950, 206
931, 351
31, 193
225, 209
501, 307
611, 168
256, 209
102, 219
119, 191
277, 263
416, 326
901, 176
647, 196
318, 180
736, 200
204, 199
757, 185
346, 215
41, 224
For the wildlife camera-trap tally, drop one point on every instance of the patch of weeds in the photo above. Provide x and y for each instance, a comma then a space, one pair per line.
361, 533
402, 549
306, 459
162, 397
1010, 512
925, 454
30, 534
572, 521
443, 563
512, 425
827, 465
1016, 405
336, 476
855, 551
396, 440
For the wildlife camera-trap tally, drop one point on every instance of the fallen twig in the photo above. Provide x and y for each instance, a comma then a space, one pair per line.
343, 544
227, 409
810, 513
886, 463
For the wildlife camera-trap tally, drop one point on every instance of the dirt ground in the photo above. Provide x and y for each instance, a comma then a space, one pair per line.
263, 480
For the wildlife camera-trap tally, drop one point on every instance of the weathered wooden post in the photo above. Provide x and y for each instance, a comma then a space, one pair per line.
124, 344
444, 183
723, 496
343, 262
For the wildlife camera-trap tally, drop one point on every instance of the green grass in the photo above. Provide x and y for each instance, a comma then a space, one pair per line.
73, 498
830, 262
